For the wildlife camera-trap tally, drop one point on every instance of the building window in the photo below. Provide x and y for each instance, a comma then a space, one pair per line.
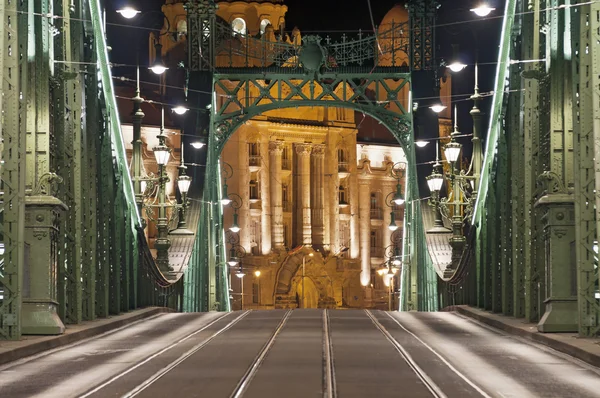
254, 189
376, 213
376, 250
263, 25
238, 26
343, 197
254, 158
343, 165
255, 293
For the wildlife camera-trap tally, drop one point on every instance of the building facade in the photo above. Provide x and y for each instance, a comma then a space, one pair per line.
314, 205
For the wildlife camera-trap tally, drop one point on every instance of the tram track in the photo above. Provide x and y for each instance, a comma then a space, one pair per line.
172, 346
329, 384
245, 381
433, 388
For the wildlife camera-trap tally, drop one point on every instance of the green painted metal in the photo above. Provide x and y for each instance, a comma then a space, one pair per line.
94, 260
14, 69
586, 113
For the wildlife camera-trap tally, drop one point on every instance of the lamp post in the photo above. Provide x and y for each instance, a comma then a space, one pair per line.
303, 276
162, 244
388, 271
137, 116
240, 274
183, 183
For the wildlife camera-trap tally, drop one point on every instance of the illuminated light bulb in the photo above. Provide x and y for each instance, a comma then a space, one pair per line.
456, 66
482, 10
128, 12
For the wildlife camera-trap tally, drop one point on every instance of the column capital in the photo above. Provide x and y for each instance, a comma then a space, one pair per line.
276, 147
303, 149
318, 150
364, 181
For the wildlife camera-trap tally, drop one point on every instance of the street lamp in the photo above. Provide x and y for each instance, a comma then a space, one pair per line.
180, 110
128, 12
388, 271
482, 10
240, 274
183, 183
162, 244
462, 194
158, 67
395, 198
438, 107
456, 66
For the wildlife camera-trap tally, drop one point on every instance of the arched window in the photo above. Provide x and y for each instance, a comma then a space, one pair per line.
238, 26
263, 25
181, 28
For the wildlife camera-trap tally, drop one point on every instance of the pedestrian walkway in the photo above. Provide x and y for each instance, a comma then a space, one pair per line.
32, 345
585, 349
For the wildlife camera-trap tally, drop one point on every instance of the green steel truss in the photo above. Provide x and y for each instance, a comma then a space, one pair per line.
242, 96
254, 75
62, 148
534, 252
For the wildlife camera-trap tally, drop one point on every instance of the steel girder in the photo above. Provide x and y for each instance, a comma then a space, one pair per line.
586, 134
14, 82
241, 95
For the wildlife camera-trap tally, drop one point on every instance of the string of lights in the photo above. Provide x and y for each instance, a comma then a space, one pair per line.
463, 22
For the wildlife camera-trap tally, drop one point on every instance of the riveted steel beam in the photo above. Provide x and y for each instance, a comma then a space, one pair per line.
14, 81
586, 135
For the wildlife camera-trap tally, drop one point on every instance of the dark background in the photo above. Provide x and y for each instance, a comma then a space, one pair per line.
473, 36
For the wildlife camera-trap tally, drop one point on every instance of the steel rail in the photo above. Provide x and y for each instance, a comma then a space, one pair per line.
169, 367
244, 382
329, 383
433, 388
450, 366
148, 382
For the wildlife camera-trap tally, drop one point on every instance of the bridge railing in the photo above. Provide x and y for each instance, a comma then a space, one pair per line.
343, 50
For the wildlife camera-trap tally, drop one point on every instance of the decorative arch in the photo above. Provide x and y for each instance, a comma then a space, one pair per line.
284, 282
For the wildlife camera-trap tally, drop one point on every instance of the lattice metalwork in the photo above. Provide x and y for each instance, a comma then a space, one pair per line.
14, 81
586, 111
244, 51
422, 38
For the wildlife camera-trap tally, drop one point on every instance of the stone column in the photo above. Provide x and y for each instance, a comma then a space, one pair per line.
265, 199
242, 188
275, 151
317, 191
365, 231
353, 189
39, 310
334, 208
303, 189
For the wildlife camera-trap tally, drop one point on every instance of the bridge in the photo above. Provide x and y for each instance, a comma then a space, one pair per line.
91, 231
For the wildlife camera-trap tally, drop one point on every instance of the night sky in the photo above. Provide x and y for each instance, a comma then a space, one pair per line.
475, 37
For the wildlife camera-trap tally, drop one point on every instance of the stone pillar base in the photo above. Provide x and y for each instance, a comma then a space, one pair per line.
40, 317
561, 316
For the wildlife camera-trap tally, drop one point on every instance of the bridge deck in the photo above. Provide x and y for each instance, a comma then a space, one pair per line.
301, 353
